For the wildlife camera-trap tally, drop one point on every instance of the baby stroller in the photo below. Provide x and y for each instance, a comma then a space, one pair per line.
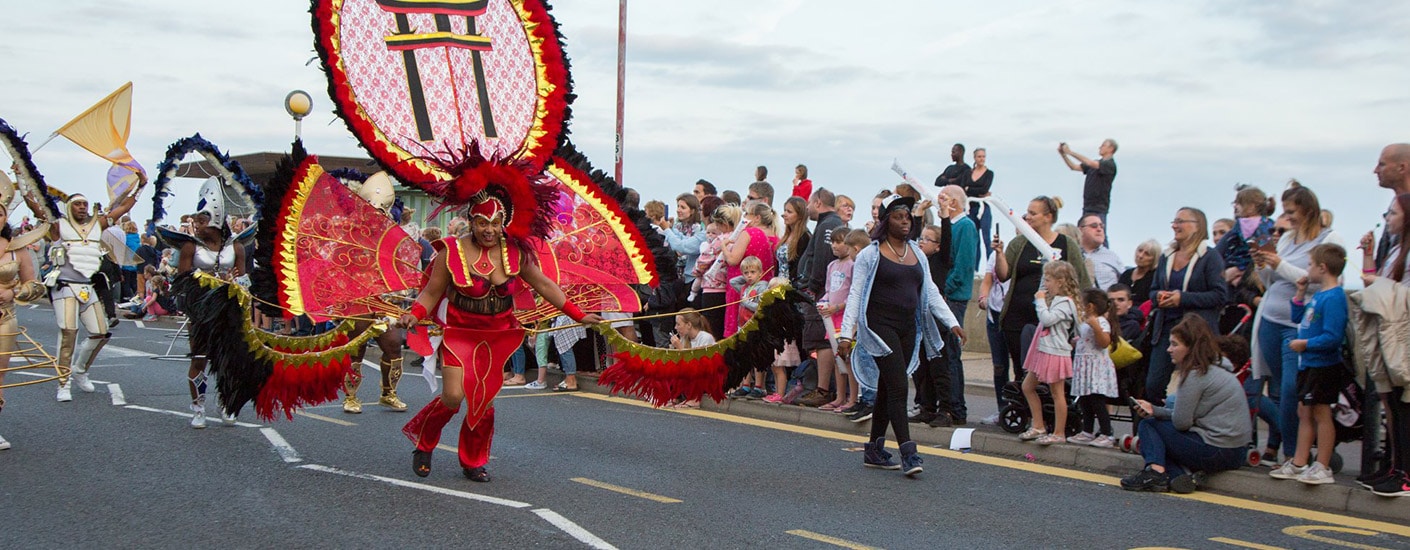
1015, 416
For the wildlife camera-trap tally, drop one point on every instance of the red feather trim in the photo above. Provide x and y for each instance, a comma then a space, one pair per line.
660, 382
292, 387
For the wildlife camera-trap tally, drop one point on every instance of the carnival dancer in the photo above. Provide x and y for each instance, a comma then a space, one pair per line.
216, 252
17, 284
378, 192
470, 293
77, 256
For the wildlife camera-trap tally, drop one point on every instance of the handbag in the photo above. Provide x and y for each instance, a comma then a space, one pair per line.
1125, 354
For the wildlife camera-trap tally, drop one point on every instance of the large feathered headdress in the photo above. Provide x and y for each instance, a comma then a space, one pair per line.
463, 99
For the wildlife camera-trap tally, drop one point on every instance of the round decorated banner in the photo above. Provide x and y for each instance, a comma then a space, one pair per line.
424, 84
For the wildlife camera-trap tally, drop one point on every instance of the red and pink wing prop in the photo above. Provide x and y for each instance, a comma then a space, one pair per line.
593, 250
336, 254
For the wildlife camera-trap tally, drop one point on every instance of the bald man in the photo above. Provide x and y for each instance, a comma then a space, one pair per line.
1392, 172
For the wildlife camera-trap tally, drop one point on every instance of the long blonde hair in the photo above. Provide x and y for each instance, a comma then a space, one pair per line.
768, 220
1066, 278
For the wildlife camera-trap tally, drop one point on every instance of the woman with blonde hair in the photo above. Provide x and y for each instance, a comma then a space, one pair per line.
758, 239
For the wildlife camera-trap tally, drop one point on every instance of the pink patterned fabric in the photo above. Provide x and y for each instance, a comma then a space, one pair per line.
348, 250
379, 79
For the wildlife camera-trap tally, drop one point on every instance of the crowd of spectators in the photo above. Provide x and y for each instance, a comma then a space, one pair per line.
1057, 310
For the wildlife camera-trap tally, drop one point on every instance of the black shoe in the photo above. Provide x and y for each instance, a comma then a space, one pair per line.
853, 409
421, 463
1146, 480
1187, 483
921, 417
1397, 485
910, 461
959, 421
862, 415
875, 455
479, 475
941, 420
1369, 480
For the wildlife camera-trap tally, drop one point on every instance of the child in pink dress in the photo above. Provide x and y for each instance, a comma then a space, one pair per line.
1049, 359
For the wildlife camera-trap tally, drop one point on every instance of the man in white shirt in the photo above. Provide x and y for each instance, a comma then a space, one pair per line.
1106, 266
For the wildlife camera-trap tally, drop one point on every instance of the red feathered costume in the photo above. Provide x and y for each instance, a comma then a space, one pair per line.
477, 342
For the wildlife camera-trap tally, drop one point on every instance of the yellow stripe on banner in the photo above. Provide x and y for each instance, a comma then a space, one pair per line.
830, 540
1208, 498
626, 491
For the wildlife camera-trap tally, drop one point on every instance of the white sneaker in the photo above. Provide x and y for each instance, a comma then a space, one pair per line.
198, 421
1316, 474
1082, 438
83, 382
536, 385
1287, 471
991, 420
4, 444
64, 395
227, 419
1102, 442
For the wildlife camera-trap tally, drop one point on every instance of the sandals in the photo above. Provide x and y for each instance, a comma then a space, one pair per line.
830, 406
563, 387
478, 474
1032, 434
421, 463
1051, 439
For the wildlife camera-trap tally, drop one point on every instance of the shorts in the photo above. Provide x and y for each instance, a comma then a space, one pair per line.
1321, 385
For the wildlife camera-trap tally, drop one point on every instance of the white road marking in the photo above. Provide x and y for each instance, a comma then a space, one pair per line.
183, 415
374, 366
281, 446
420, 486
115, 391
573, 529
140, 324
123, 352
35, 306
34, 374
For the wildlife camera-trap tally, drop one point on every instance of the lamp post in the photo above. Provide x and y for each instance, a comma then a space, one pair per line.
298, 104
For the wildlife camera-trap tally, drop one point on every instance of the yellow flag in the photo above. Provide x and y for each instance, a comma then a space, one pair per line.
104, 127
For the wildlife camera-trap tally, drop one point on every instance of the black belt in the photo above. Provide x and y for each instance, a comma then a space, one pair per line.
493, 304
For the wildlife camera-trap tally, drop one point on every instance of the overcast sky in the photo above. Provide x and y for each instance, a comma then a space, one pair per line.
1200, 95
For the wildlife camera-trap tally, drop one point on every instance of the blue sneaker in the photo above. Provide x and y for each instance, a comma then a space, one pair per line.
910, 461
875, 455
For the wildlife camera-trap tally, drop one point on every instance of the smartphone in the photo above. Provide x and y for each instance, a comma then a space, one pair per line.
996, 230
1265, 243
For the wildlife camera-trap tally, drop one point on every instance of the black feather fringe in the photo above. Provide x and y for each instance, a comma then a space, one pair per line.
22, 149
176, 151
778, 323
216, 321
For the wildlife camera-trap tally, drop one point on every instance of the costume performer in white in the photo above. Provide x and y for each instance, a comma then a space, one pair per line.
77, 254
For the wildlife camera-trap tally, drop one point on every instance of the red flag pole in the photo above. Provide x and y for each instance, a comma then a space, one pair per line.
621, 80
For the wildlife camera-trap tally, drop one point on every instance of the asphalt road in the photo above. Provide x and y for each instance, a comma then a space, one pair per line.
570, 471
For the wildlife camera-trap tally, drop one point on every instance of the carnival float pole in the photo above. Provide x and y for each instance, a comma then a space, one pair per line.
621, 81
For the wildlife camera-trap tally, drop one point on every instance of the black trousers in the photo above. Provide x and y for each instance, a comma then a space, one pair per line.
898, 330
1399, 415
932, 381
